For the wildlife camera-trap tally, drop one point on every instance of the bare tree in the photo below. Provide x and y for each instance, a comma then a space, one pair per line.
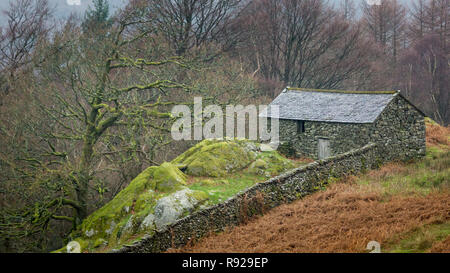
431, 17
348, 9
27, 25
418, 18
386, 24
304, 43
188, 24
424, 77
424, 69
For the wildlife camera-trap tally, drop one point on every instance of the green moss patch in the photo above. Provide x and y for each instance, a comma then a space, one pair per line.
214, 158
168, 177
270, 164
220, 190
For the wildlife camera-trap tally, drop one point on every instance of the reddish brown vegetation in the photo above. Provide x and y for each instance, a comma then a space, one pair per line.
386, 170
437, 134
341, 219
441, 247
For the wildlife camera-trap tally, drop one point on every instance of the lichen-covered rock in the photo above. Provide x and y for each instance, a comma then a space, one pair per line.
168, 177
259, 164
270, 163
170, 208
148, 222
266, 148
217, 158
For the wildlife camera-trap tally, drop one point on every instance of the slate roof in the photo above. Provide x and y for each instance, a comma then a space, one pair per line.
331, 105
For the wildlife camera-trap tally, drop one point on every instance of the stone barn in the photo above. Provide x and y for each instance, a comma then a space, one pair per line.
322, 123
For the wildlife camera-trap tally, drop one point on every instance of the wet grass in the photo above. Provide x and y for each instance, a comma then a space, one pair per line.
422, 177
420, 240
221, 189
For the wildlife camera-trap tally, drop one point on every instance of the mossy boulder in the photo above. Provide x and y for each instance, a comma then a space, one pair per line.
217, 158
168, 177
259, 164
270, 163
123, 216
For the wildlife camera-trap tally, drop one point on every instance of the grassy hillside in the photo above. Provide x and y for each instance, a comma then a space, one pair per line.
403, 206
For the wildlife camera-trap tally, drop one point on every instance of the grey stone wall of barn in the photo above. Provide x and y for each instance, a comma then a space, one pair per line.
399, 131
342, 136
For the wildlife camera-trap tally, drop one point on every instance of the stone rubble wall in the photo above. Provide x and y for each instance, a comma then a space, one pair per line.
286, 188
400, 132
343, 136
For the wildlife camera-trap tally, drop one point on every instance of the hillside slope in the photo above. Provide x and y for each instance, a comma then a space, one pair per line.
208, 173
405, 207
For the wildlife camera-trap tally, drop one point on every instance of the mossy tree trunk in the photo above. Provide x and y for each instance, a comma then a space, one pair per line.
84, 178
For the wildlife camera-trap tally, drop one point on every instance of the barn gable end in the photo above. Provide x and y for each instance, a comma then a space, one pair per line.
399, 131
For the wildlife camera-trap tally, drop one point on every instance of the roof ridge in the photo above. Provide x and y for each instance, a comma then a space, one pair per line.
340, 91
